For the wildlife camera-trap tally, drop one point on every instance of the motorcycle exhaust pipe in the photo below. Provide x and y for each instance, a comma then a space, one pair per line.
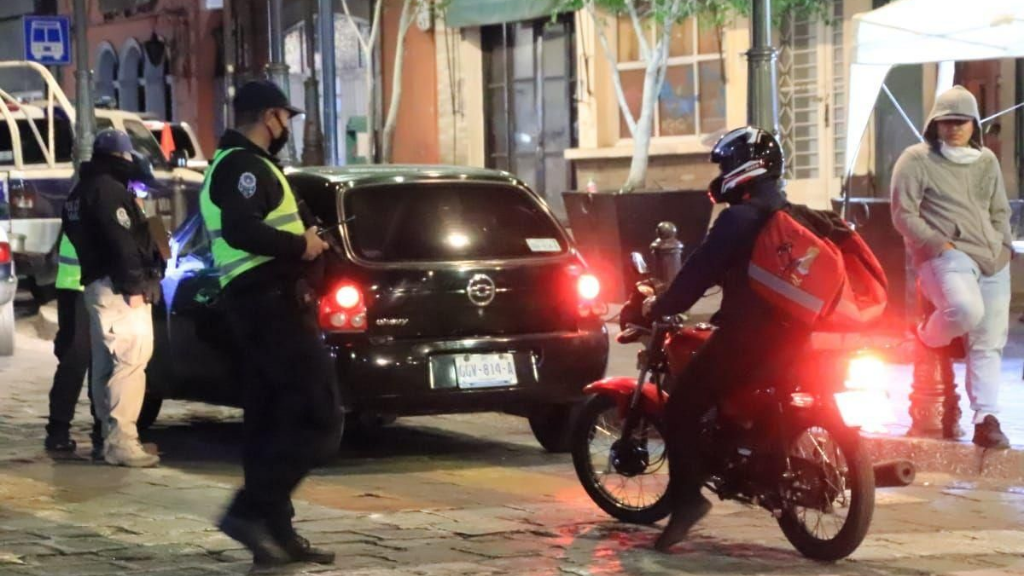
894, 474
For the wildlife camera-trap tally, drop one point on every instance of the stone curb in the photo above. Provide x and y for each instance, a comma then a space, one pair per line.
950, 457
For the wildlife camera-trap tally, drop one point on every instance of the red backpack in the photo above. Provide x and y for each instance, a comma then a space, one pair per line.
816, 270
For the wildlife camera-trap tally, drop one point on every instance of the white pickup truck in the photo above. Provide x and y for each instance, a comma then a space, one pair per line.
36, 143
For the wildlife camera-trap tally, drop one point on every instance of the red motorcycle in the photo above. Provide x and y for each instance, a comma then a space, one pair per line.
790, 447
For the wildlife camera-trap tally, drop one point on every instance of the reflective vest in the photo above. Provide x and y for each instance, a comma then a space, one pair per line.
69, 271
230, 261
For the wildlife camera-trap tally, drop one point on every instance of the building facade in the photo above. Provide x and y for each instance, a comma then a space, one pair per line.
501, 106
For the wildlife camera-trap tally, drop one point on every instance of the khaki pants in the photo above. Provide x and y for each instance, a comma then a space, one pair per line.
122, 344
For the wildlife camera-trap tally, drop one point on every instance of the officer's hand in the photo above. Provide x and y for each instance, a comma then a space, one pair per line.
314, 244
135, 300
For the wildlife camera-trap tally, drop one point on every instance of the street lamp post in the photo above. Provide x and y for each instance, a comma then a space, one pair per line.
229, 64
84, 120
313, 137
278, 68
327, 69
762, 83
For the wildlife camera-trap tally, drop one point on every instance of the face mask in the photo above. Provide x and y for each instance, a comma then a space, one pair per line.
960, 154
277, 144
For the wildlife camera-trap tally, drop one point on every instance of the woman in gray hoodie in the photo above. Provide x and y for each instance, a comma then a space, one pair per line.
950, 206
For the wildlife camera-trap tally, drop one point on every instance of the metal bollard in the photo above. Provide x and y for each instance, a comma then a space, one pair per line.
934, 403
667, 251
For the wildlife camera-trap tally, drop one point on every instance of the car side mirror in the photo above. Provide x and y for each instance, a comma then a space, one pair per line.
179, 159
639, 264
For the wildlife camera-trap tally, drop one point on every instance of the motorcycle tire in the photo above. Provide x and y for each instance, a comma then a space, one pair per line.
581, 438
861, 477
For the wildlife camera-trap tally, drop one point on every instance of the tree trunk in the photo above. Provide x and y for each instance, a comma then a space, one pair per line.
388, 134
644, 125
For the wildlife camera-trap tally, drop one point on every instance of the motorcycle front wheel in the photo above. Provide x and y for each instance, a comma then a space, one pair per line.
832, 500
625, 477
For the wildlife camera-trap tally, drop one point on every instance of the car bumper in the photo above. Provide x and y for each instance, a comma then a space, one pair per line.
8, 285
415, 377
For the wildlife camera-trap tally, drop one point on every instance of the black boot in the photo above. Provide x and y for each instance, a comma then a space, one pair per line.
685, 516
990, 435
255, 535
302, 551
60, 441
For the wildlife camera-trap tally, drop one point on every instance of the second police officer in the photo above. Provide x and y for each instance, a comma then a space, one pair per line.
261, 247
121, 270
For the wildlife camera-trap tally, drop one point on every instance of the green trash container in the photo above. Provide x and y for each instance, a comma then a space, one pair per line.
354, 153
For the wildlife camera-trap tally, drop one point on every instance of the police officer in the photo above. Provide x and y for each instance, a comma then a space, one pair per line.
121, 271
71, 347
260, 246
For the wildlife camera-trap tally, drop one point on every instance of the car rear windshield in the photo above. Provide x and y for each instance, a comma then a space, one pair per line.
434, 222
31, 151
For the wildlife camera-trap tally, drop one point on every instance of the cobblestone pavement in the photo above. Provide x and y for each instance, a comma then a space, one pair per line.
437, 496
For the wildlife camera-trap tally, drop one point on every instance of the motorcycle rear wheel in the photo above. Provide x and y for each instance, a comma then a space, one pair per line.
848, 499
635, 498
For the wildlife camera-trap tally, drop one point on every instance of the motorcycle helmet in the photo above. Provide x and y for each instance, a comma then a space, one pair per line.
744, 156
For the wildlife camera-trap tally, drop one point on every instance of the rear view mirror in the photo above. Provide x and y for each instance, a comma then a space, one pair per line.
639, 264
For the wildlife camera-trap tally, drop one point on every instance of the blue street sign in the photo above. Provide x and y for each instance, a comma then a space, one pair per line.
48, 39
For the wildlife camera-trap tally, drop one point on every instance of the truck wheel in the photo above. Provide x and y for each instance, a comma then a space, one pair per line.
7, 329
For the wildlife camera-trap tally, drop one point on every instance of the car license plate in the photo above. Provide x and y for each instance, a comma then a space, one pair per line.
485, 370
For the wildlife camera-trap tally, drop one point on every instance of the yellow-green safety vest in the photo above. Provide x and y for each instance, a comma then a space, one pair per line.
69, 271
230, 261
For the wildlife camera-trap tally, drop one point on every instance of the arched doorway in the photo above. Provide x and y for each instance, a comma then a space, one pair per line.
106, 74
156, 78
132, 96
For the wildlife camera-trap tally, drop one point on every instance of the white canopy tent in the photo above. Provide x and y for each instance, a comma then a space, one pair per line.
919, 31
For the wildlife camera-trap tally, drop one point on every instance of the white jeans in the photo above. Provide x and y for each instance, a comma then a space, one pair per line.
968, 302
122, 344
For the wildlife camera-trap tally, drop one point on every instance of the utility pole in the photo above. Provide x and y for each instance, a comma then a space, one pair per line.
762, 81
278, 69
84, 120
313, 137
229, 65
331, 154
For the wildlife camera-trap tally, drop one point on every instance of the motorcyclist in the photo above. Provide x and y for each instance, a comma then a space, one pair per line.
752, 339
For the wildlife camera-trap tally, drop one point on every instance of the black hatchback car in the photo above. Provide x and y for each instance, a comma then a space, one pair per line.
447, 289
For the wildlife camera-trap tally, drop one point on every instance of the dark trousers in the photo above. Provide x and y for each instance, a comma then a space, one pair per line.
292, 409
731, 359
71, 347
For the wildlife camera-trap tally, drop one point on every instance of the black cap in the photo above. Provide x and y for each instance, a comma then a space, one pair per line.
260, 95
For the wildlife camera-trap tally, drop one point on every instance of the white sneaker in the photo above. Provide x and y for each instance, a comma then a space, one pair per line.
129, 454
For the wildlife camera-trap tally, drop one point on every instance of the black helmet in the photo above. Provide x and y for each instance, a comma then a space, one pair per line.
744, 156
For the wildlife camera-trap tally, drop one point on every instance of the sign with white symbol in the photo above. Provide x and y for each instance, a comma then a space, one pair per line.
485, 370
47, 39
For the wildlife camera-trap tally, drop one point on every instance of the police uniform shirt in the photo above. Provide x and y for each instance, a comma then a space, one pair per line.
109, 230
246, 189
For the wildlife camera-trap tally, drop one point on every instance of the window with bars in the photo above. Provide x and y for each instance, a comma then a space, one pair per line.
692, 99
812, 95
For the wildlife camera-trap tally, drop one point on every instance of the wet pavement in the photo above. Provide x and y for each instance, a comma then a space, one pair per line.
447, 495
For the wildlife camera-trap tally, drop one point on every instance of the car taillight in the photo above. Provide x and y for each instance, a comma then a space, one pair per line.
589, 287
5, 253
588, 292
343, 309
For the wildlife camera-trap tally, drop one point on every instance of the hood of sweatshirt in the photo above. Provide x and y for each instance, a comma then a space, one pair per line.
957, 101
